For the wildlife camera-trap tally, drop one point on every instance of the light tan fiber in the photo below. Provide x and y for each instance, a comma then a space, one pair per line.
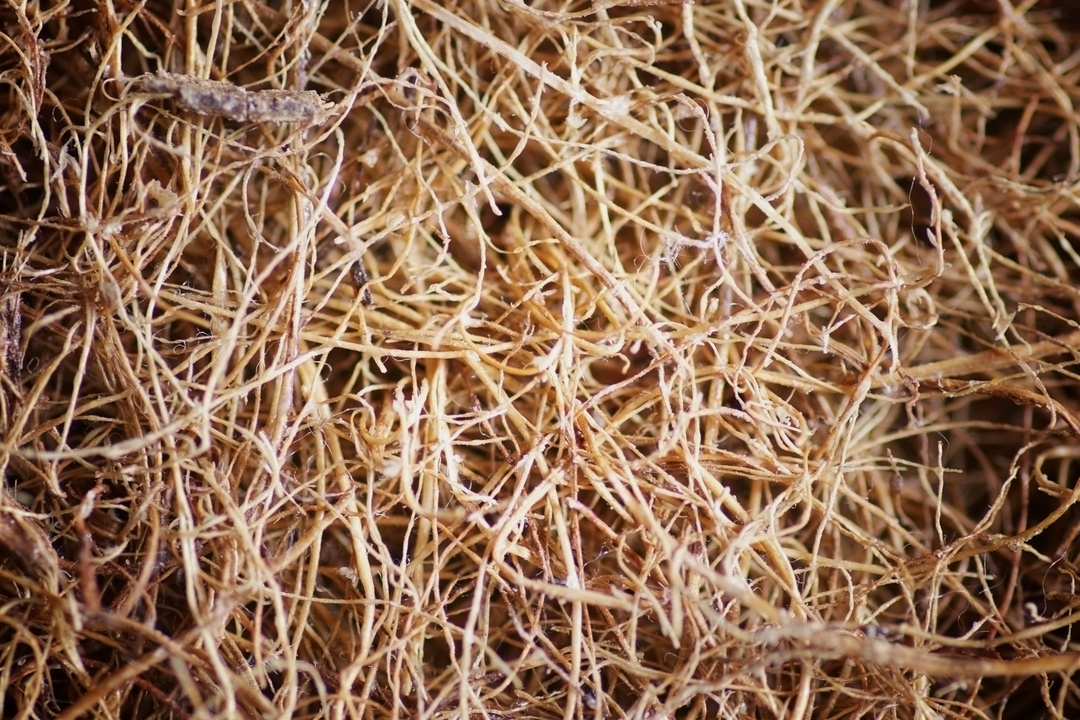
536, 360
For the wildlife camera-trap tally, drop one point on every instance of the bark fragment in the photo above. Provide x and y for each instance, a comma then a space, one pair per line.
232, 102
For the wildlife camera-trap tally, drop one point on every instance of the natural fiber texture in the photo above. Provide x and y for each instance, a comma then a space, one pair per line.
503, 360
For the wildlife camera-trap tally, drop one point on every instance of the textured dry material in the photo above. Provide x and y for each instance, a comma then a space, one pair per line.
580, 360
222, 99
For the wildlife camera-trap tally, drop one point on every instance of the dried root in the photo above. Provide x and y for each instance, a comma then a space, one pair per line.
225, 100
